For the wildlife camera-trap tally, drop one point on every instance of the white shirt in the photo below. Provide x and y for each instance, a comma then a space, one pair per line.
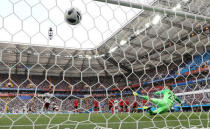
47, 97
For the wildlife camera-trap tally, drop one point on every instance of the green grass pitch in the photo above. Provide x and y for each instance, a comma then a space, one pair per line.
89, 121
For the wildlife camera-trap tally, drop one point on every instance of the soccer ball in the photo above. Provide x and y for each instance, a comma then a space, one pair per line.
73, 16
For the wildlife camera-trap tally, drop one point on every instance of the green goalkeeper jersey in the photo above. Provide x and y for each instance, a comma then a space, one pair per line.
168, 97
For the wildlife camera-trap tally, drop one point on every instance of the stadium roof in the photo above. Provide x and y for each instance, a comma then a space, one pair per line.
147, 41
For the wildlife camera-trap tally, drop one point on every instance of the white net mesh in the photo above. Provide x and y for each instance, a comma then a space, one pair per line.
60, 76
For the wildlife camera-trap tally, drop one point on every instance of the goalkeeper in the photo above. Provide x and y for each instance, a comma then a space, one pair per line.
163, 104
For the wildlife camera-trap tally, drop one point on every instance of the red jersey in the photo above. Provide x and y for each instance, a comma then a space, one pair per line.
111, 102
144, 102
127, 102
121, 102
76, 102
95, 103
135, 104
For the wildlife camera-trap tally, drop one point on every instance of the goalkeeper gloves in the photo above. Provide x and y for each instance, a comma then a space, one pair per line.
135, 94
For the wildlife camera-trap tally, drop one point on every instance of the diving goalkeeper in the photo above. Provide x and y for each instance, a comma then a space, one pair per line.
163, 104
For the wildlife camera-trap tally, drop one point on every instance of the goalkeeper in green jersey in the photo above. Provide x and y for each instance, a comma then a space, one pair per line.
163, 104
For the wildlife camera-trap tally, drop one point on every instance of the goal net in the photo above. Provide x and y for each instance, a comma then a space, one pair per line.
134, 64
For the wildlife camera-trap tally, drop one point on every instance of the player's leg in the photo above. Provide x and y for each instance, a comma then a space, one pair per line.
159, 110
126, 108
110, 107
75, 109
96, 109
134, 109
157, 102
116, 109
121, 109
162, 106
141, 96
46, 107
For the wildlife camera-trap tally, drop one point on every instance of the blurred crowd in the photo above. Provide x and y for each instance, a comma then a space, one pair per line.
116, 87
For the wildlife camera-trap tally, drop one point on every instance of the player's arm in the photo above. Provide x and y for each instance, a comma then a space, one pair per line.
178, 99
136, 94
141, 96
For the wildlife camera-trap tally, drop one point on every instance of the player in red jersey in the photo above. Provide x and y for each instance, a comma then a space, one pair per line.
96, 105
127, 103
121, 105
76, 102
110, 103
135, 104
